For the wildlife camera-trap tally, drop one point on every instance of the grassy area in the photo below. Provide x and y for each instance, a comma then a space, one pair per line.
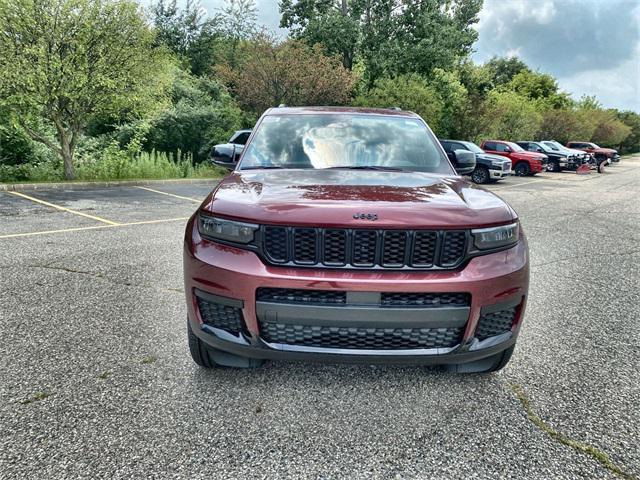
116, 166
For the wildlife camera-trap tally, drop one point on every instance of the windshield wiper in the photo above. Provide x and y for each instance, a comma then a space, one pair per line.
367, 167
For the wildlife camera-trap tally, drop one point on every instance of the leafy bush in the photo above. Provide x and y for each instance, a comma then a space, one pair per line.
510, 116
202, 115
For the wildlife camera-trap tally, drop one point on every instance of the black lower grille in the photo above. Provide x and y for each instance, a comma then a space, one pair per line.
362, 248
426, 300
495, 323
288, 295
360, 338
220, 316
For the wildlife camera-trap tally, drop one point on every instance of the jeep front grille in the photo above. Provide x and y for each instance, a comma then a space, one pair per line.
360, 338
359, 248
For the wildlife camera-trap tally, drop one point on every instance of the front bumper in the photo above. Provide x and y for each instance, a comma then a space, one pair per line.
492, 280
499, 173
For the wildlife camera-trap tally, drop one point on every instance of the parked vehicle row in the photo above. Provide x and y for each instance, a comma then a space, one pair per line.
495, 159
527, 158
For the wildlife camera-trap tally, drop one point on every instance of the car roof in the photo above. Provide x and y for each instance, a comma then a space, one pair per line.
392, 112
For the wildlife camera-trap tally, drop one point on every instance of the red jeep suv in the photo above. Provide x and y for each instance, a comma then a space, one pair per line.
524, 163
345, 234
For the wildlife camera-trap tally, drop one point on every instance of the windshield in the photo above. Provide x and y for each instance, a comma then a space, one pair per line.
473, 147
553, 145
515, 147
344, 141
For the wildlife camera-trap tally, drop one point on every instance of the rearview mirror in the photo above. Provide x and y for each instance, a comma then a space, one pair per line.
465, 162
224, 155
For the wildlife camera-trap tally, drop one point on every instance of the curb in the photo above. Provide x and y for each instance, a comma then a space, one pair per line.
9, 187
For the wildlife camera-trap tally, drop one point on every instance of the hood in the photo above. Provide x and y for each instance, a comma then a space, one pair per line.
573, 151
492, 158
332, 197
609, 151
529, 155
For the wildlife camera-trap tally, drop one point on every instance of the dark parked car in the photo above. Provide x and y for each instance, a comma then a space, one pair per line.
558, 160
488, 167
584, 158
227, 154
345, 234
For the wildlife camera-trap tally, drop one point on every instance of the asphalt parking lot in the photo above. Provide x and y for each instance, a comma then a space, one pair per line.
96, 379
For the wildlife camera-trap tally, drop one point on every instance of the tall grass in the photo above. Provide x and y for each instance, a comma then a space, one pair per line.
115, 164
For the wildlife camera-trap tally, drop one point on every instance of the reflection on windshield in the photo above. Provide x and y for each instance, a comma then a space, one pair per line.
344, 140
515, 147
473, 147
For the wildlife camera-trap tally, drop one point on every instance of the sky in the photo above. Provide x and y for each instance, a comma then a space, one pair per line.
591, 46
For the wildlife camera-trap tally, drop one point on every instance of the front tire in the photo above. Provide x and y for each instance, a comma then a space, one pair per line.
553, 167
480, 175
209, 357
522, 169
486, 365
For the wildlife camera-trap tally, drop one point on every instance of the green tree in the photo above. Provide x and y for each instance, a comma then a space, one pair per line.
272, 72
503, 69
409, 92
202, 114
392, 37
70, 61
454, 98
541, 87
511, 116
632, 120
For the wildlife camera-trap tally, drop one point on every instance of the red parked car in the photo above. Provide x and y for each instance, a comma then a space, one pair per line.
601, 154
345, 234
524, 163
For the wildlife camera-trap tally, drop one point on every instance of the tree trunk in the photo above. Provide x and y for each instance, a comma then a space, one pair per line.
67, 147
67, 157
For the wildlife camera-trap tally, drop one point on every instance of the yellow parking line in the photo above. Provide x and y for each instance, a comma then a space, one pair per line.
171, 194
64, 209
95, 227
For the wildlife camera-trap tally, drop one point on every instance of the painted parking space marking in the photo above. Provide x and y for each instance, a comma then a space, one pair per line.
170, 194
64, 209
94, 227
502, 187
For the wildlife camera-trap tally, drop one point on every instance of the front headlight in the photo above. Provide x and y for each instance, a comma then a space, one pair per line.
497, 164
496, 237
221, 229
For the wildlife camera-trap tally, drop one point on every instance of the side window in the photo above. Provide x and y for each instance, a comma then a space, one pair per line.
500, 147
490, 146
458, 146
447, 147
532, 147
241, 139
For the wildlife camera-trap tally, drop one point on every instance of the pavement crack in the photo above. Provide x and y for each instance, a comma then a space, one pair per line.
581, 447
103, 277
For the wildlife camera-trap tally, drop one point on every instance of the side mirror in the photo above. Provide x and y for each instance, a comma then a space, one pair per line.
465, 162
507, 149
224, 155
539, 150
